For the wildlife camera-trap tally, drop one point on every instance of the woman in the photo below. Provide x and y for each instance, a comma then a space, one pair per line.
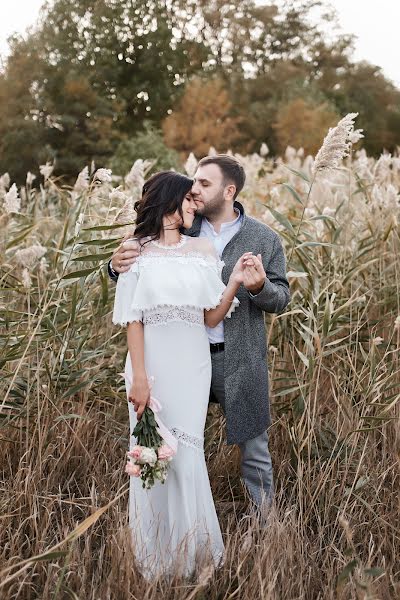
165, 299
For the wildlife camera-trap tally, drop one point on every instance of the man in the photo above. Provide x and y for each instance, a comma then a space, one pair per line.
238, 344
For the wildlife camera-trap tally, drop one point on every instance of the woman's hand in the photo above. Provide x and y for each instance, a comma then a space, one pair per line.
139, 394
254, 275
238, 273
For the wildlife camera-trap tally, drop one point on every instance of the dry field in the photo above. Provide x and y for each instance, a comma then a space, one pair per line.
334, 362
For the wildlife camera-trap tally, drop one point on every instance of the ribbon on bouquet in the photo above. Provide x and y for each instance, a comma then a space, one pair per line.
165, 433
162, 429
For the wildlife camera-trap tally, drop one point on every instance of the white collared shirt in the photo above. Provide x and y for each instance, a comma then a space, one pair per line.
220, 240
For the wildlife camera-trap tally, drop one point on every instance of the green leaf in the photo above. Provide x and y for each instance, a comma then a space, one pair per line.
20, 237
71, 416
78, 274
298, 173
87, 257
281, 219
104, 288
287, 391
75, 388
107, 227
51, 555
327, 316
99, 242
374, 571
347, 571
312, 244
303, 358
293, 192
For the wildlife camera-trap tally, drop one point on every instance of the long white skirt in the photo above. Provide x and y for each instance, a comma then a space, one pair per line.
174, 525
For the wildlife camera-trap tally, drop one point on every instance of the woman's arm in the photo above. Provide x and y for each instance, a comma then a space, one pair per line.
140, 392
213, 316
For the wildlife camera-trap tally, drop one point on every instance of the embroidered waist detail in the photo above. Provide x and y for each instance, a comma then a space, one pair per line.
162, 316
188, 440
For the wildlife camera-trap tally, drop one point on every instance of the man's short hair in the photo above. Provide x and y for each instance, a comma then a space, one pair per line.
231, 168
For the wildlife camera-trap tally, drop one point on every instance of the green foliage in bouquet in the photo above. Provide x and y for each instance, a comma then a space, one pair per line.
146, 430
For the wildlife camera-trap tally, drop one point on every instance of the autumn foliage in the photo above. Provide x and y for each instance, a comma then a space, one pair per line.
202, 119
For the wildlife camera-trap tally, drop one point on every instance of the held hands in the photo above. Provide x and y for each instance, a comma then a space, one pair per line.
139, 394
250, 272
125, 255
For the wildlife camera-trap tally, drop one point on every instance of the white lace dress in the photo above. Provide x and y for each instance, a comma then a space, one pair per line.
174, 525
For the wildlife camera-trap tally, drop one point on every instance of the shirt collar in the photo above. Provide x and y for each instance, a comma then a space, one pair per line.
226, 225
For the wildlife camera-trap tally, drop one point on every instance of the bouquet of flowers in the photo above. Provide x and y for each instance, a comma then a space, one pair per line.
155, 448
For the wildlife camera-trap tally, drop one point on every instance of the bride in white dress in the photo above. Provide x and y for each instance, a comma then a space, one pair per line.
165, 299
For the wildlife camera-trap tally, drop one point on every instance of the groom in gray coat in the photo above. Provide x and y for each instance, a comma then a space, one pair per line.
238, 344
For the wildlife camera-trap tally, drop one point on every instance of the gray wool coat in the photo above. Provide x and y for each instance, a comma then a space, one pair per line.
247, 406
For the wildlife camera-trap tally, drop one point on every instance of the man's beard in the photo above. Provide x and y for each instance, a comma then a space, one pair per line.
214, 207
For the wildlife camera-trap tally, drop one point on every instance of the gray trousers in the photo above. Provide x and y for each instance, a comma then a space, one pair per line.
256, 465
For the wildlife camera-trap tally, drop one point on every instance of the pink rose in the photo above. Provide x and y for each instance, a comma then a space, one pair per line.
136, 452
132, 469
165, 452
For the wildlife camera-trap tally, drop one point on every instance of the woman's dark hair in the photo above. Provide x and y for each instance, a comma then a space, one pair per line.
162, 194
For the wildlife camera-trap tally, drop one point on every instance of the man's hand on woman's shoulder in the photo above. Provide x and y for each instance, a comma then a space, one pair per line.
125, 255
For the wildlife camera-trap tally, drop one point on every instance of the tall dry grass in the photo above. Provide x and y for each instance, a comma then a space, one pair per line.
334, 362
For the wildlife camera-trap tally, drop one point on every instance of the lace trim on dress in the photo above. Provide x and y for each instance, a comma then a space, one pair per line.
181, 257
174, 314
182, 241
186, 439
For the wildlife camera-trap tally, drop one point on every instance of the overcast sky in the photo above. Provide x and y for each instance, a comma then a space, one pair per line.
376, 26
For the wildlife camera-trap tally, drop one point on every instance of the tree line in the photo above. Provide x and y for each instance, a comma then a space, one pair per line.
112, 81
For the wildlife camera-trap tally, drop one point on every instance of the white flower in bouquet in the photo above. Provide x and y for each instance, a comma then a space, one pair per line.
264, 150
148, 456
103, 175
12, 201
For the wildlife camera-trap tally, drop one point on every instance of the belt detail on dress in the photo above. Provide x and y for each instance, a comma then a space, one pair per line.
218, 347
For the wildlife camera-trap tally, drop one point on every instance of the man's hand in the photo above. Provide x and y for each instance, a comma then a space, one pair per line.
125, 255
254, 275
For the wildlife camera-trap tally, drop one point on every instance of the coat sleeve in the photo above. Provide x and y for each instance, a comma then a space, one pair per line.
111, 273
275, 294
